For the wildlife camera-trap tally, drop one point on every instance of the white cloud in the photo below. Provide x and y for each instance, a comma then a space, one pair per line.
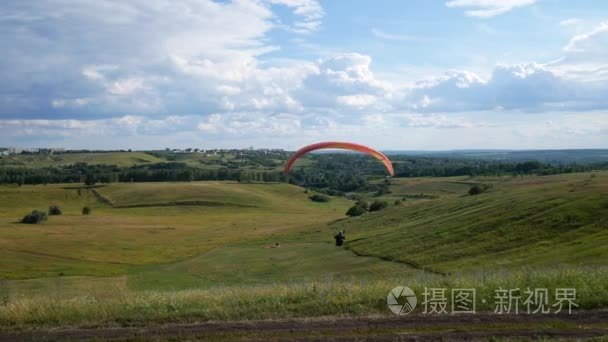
247, 124
391, 36
77, 102
569, 22
588, 41
357, 100
488, 8
203, 68
310, 12
126, 86
585, 56
434, 121
344, 79
527, 87
144, 56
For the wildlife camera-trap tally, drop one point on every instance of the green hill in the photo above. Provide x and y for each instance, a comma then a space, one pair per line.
530, 221
208, 250
108, 158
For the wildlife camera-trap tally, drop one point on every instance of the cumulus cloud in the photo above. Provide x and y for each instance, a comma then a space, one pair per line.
344, 79
527, 87
585, 56
488, 8
151, 67
147, 56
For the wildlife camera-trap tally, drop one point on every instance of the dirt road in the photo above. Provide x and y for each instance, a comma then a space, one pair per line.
579, 325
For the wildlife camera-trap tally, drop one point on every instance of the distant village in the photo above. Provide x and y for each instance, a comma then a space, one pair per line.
5, 151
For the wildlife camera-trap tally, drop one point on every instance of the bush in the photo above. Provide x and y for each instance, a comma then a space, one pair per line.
397, 202
34, 217
54, 210
478, 189
319, 198
356, 210
86, 211
363, 204
378, 205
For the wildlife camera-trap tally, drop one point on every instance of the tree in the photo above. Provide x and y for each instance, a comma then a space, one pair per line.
319, 198
355, 210
478, 189
54, 210
86, 211
378, 205
90, 179
363, 204
34, 217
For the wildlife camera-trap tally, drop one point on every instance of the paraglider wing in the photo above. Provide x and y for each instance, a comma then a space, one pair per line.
344, 146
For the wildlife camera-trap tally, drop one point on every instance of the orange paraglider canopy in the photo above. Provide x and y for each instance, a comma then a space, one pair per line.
344, 146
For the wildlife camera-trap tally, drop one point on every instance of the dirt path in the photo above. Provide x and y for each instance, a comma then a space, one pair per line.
580, 325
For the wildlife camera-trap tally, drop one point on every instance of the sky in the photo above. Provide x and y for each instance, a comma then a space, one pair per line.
394, 74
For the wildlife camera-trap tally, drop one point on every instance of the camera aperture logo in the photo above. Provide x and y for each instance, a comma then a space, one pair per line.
401, 300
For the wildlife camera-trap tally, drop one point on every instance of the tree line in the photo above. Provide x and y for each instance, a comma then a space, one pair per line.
160, 172
337, 173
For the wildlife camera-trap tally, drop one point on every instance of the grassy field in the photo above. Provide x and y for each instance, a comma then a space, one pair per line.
226, 250
114, 240
110, 158
126, 159
117, 306
532, 221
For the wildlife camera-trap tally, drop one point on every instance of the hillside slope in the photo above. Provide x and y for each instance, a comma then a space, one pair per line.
532, 221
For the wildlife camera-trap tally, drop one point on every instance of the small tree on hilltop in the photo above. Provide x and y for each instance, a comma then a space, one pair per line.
34, 217
54, 210
378, 205
319, 198
363, 204
478, 189
355, 210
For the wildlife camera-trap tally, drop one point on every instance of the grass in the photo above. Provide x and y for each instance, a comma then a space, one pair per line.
110, 158
113, 241
264, 264
532, 221
155, 252
284, 300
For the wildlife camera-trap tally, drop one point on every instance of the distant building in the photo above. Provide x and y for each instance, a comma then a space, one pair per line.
18, 150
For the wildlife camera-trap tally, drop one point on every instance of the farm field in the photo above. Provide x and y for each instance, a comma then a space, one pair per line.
164, 252
108, 158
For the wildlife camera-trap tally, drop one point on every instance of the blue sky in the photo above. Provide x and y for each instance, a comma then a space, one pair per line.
436, 75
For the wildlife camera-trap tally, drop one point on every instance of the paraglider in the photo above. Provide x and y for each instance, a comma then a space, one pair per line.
341, 145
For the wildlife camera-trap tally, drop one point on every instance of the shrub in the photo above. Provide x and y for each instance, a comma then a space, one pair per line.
34, 217
363, 204
397, 202
356, 210
54, 210
478, 189
378, 205
319, 198
86, 211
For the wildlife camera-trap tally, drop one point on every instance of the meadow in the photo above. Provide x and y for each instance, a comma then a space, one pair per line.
99, 158
189, 251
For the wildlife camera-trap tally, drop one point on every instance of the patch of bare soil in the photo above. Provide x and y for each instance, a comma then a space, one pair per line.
579, 325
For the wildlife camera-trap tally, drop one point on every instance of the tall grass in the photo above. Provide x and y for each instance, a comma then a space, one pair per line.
286, 300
